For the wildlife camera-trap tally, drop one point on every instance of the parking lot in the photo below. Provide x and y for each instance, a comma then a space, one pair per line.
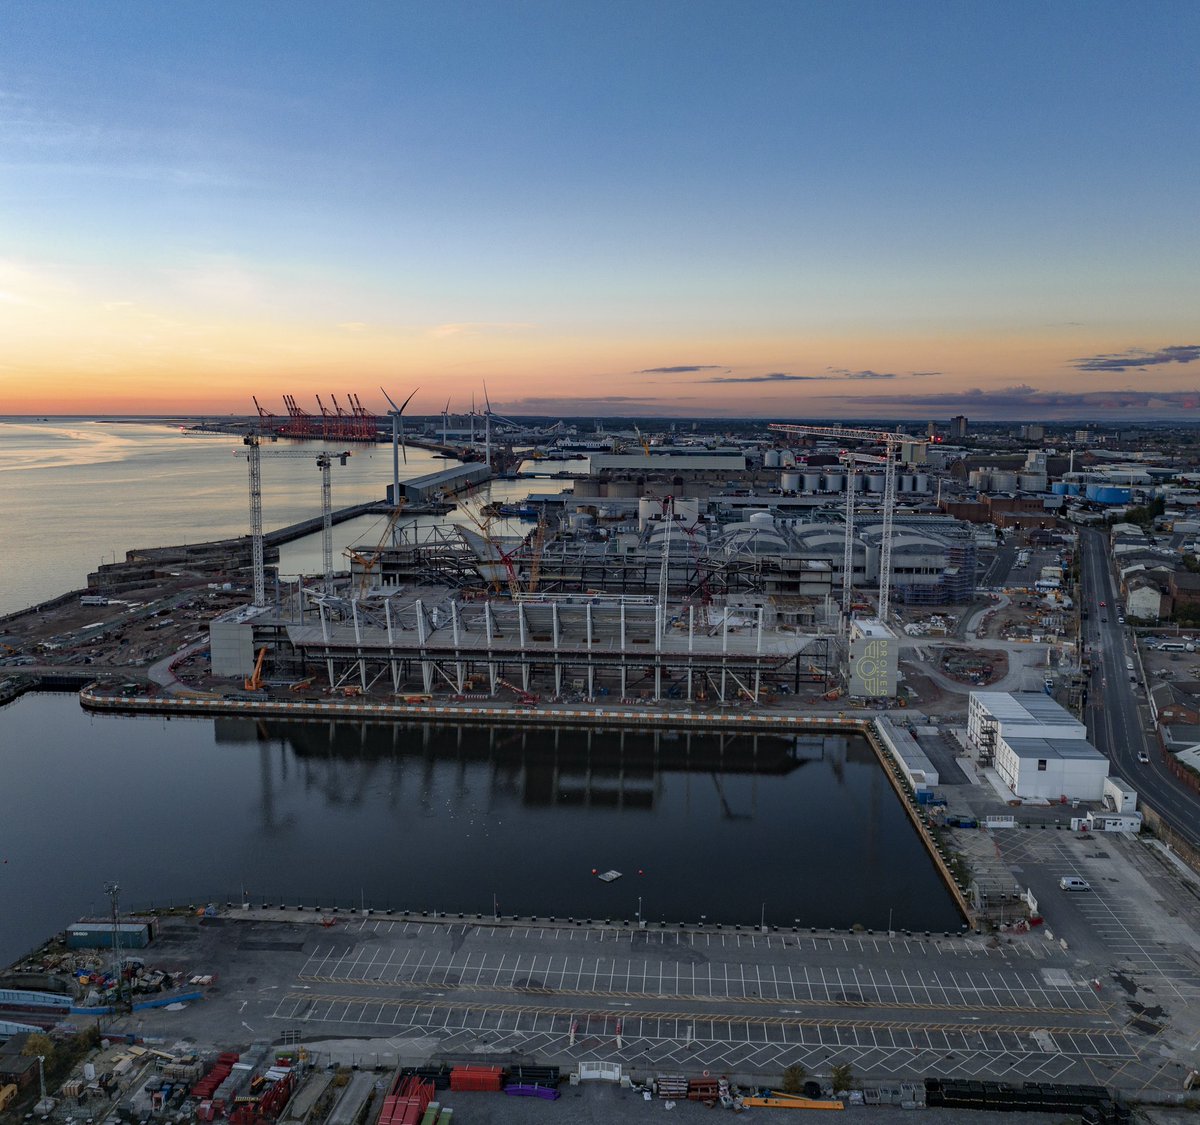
408, 989
763, 980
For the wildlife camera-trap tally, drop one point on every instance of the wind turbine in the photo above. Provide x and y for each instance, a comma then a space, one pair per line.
488, 415
397, 416
446, 423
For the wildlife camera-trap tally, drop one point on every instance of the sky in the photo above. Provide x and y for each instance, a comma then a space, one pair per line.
677, 207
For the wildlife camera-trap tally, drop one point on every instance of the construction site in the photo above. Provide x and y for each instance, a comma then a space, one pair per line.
672, 607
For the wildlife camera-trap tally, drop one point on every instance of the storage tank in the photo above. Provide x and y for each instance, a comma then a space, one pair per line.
921, 482
980, 479
789, 481
624, 489
1032, 482
762, 519
581, 521
787, 459
1108, 494
812, 482
834, 482
875, 482
771, 459
1004, 481
648, 509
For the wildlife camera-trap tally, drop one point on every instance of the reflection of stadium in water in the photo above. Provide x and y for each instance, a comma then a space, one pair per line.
539, 767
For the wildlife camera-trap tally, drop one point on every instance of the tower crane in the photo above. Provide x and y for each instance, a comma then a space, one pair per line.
892, 443
324, 459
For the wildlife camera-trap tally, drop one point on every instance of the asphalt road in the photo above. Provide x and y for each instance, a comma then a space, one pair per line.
1117, 716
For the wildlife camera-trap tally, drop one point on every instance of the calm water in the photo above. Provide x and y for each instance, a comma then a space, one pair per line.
75, 493
435, 817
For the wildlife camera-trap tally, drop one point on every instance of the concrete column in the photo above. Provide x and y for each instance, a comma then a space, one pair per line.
362, 663
624, 670
554, 640
393, 664
659, 616
724, 648
422, 638
591, 671
487, 621
459, 675
325, 638
524, 647
691, 647
758, 651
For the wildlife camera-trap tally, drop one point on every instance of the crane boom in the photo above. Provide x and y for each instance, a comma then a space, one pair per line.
324, 460
892, 443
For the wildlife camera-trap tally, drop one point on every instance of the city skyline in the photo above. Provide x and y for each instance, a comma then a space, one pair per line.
687, 209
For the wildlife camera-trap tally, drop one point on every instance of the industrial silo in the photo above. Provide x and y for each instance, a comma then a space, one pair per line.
812, 482
834, 482
771, 459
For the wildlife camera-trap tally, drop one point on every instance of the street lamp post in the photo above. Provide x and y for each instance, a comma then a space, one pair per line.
762, 918
640, 923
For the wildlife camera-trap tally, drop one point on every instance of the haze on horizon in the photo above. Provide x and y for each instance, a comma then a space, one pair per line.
677, 207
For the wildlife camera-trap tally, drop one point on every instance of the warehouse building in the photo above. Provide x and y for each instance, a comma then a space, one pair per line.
1039, 749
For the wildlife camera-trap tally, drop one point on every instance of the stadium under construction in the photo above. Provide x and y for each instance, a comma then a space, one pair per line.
433, 640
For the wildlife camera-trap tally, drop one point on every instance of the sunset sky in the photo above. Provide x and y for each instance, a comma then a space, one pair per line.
691, 207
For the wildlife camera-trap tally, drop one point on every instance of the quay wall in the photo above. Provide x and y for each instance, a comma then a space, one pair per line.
643, 720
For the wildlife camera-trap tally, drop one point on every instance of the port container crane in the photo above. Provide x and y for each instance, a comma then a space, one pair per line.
324, 459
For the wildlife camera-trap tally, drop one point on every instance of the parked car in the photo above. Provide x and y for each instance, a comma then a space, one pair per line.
1074, 883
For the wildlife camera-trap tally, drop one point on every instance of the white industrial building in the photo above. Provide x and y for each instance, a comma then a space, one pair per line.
1039, 749
1051, 768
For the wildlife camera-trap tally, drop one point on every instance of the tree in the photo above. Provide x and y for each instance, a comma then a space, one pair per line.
841, 1077
39, 1043
793, 1079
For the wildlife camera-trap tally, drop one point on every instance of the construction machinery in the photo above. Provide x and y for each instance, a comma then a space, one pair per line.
254, 681
324, 459
892, 443
525, 698
368, 560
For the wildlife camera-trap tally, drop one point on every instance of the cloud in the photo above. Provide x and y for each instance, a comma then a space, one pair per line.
682, 369
837, 374
845, 373
1138, 358
479, 328
602, 404
770, 377
1023, 397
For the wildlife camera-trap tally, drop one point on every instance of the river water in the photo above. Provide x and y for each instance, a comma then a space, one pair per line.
430, 817
78, 492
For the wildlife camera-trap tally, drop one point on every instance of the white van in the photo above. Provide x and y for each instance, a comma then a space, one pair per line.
1074, 883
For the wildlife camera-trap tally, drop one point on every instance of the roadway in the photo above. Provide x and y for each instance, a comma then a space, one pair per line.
1117, 714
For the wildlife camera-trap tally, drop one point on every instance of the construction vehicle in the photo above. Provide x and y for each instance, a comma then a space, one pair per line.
301, 685
254, 681
525, 698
